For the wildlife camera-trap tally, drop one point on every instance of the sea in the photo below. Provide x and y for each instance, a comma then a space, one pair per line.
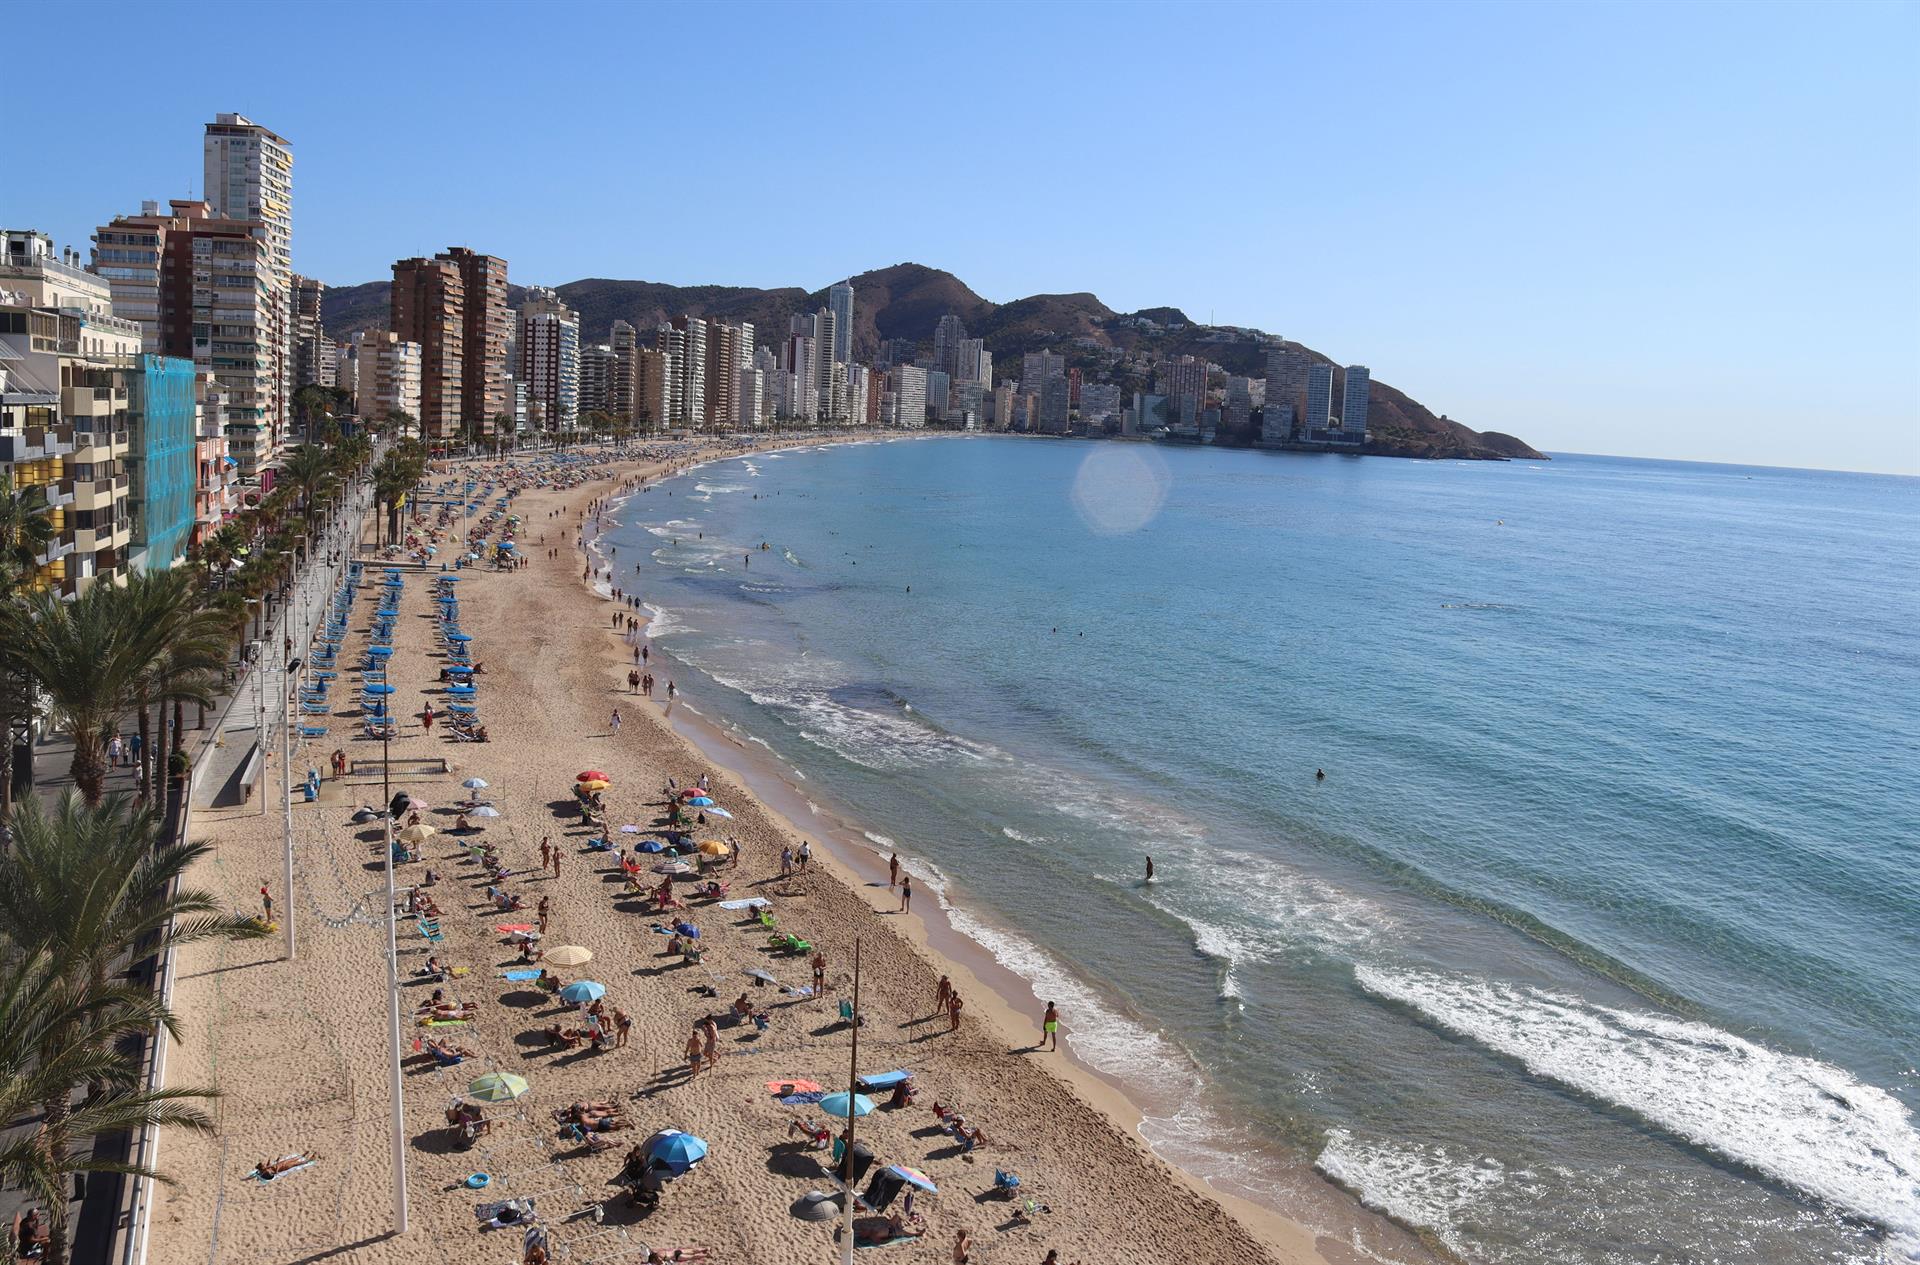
1536, 843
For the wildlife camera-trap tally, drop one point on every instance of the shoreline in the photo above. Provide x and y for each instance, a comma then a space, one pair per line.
854, 854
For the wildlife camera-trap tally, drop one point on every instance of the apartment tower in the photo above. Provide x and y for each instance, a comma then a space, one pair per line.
249, 177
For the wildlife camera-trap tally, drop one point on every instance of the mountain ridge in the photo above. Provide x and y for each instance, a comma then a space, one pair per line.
906, 300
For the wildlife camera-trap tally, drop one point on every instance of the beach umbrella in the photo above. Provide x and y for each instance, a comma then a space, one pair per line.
836, 1105
714, 848
700, 801
568, 955
765, 977
365, 815
486, 810
378, 687
380, 652
719, 812
418, 833
590, 775
597, 785
914, 1177
651, 845
678, 1151
497, 1087
414, 801
580, 992
675, 868
687, 929
459, 637
475, 783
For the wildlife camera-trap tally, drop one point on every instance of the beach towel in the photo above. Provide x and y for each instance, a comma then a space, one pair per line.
519, 975
751, 902
255, 1174
444, 1023
508, 928
801, 1100
797, 1085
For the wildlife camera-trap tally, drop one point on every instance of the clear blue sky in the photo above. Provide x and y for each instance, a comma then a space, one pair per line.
1655, 229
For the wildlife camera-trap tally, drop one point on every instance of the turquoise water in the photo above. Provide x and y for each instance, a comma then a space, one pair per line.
1600, 940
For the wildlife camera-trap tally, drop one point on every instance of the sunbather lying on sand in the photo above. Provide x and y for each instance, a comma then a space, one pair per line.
267, 1170
816, 1135
448, 1050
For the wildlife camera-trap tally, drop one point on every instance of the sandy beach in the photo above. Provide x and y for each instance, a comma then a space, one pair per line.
298, 1050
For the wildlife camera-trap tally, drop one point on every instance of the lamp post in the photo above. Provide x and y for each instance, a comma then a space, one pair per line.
393, 994
259, 670
286, 798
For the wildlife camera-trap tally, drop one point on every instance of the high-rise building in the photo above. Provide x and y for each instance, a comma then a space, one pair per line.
66, 364
1238, 412
486, 382
387, 374
623, 380
314, 356
974, 363
547, 347
909, 396
1286, 389
800, 356
947, 337
1055, 405
749, 398
248, 173
1358, 393
840, 303
1184, 381
939, 394
428, 304
1003, 406
655, 381
859, 394
596, 378
685, 339
729, 350
1319, 411
1099, 404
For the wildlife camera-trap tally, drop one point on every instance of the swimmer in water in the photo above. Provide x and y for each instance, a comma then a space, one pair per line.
1319, 775
1149, 869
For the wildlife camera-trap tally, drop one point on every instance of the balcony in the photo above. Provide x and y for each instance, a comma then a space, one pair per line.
97, 447
93, 401
60, 495
95, 494
56, 549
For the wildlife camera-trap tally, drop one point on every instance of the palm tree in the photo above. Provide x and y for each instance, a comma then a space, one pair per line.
109, 649
25, 530
90, 887
307, 468
188, 643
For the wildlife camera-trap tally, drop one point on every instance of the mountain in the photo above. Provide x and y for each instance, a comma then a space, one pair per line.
907, 300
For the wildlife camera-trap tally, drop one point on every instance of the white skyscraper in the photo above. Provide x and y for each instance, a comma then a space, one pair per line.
547, 358
249, 176
840, 303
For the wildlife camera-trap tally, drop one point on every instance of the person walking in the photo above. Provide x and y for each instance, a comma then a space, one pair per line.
786, 861
670, 691
633, 682
804, 855
546, 855
941, 994
906, 893
616, 720
819, 973
116, 751
893, 870
266, 902
1049, 1029
954, 1005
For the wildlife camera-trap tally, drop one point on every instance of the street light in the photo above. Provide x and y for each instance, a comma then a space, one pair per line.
393, 992
286, 797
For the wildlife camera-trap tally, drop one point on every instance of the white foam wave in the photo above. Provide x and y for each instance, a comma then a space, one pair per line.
1017, 837
1800, 1121
662, 622
1426, 1187
880, 840
711, 488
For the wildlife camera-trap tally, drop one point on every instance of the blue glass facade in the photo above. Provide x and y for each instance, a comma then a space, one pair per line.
160, 409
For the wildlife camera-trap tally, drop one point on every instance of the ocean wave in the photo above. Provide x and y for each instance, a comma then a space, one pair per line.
711, 488
1017, 837
1426, 1187
880, 840
662, 622
1802, 1122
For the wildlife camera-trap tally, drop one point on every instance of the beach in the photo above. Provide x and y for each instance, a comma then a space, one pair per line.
298, 1050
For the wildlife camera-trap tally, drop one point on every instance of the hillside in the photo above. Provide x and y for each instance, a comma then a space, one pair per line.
907, 300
